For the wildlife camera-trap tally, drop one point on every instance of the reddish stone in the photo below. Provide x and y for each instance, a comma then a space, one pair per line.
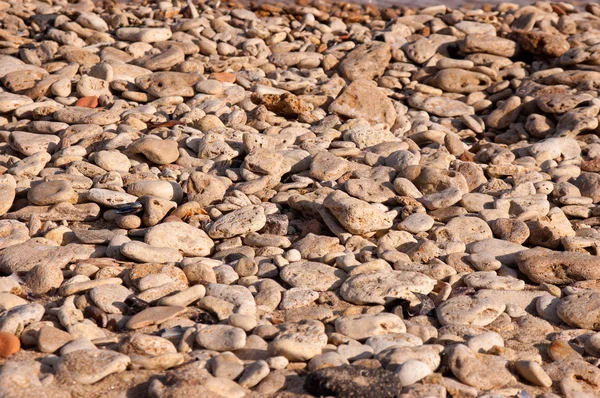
9, 344
223, 77
87, 102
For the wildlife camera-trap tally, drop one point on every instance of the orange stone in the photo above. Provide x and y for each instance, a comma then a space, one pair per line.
87, 102
223, 77
9, 344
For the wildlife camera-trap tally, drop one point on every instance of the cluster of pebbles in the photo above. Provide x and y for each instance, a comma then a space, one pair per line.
310, 199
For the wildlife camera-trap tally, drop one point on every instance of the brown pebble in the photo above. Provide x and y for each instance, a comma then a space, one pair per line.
87, 102
223, 77
9, 344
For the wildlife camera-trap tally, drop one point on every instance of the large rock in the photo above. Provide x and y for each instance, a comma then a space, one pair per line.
547, 266
366, 61
363, 99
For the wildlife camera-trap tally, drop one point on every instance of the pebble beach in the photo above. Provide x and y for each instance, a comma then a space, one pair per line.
302, 199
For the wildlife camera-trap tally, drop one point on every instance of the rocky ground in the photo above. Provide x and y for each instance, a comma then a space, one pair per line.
302, 200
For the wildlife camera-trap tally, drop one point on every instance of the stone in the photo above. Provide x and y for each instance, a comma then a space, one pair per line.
10, 102
381, 288
153, 315
146, 345
361, 99
482, 43
547, 266
43, 278
541, 43
366, 61
355, 215
51, 339
533, 373
111, 298
412, 371
17, 318
145, 253
155, 150
254, 374
221, 337
188, 240
311, 275
238, 222
205, 189
90, 366
52, 192
9, 344
349, 380
362, 327
474, 311
167, 84
579, 310
481, 371
29, 143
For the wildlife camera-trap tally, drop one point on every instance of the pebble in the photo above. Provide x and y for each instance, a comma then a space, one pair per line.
481, 371
9, 344
90, 366
533, 373
330, 202
153, 315
221, 337
361, 327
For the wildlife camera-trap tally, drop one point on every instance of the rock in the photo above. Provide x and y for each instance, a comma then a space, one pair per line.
167, 84
205, 188
361, 99
286, 104
51, 339
465, 310
221, 338
579, 310
482, 43
481, 371
242, 221
52, 192
533, 373
90, 366
541, 43
43, 278
356, 216
347, 380
254, 374
29, 143
25, 256
546, 266
188, 240
460, 81
155, 150
145, 345
152, 316
17, 318
361, 327
366, 61
159, 189
146, 253
9, 344
412, 371
10, 102
111, 298
311, 275
145, 35
380, 288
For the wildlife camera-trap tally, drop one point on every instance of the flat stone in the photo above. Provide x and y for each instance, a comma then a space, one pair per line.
90, 366
362, 99
382, 287
311, 275
153, 316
